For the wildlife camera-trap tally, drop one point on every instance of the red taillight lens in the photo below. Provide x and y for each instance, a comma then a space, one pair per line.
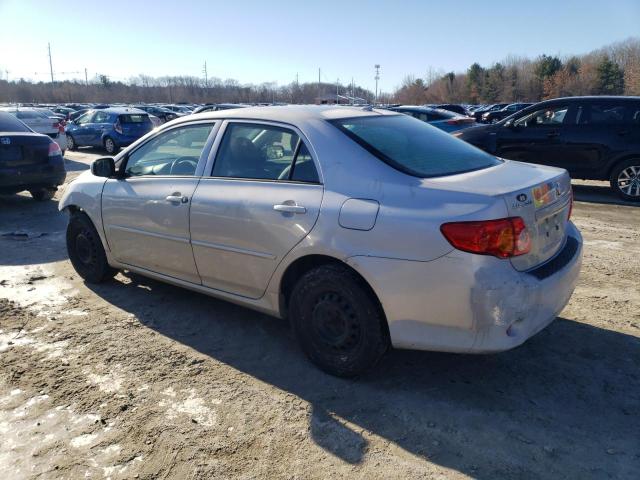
54, 149
502, 238
117, 127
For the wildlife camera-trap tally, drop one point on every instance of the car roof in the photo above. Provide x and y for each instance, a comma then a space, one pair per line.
290, 113
121, 110
593, 97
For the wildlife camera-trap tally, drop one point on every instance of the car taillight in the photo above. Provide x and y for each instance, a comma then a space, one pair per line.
502, 238
54, 149
117, 127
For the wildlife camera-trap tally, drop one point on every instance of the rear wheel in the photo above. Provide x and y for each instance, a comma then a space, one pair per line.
71, 143
625, 179
85, 250
110, 146
43, 194
338, 322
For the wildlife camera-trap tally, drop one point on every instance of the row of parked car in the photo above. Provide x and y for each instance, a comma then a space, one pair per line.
596, 138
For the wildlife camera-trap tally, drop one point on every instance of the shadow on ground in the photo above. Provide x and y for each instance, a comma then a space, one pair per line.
599, 194
564, 405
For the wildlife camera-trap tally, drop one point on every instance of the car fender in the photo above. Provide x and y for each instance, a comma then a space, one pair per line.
85, 194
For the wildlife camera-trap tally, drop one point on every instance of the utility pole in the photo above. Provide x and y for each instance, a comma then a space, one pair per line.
337, 93
206, 76
377, 77
353, 92
50, 63
318, 82
86, 77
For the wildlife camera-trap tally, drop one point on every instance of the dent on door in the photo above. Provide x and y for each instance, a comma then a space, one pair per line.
241, 230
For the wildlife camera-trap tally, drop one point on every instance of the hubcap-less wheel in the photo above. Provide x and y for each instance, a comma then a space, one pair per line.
71, 144
109, 146
335, 323
629, 181
84, 249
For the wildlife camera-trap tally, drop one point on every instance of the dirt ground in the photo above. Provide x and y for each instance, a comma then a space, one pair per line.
138, 379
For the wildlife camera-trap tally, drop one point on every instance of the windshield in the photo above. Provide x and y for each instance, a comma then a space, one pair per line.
414, 147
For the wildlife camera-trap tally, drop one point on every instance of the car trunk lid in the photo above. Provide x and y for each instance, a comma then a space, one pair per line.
135, 124
540, 195
23, 149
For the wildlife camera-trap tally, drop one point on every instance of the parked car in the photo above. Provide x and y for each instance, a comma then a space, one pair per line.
497, 115
218, 106
180, 109
110, 128
66, 112
28, 160
443, 119
41, 122
163, 114
78, 113
594, 138
364, 227
452, 107
477, 113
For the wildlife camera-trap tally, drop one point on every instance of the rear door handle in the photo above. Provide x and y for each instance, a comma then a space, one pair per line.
289, 208
176, 198
623, 132
553, 134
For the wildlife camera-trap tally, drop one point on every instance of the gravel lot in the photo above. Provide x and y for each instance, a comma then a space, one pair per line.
137, 379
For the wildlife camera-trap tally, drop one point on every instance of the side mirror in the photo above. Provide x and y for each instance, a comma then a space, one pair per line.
104, 167
274, 152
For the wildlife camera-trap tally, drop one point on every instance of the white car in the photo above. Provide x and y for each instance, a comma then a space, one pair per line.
40, 122
366, 228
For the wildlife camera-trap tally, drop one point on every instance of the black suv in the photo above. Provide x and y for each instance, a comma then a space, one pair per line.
594, 138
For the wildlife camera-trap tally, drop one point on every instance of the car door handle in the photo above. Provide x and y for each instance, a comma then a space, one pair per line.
553, 134
623, 132
176, 198
289, 208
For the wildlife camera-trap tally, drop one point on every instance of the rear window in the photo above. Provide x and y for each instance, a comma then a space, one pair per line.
414, 147
134, 118
9, 123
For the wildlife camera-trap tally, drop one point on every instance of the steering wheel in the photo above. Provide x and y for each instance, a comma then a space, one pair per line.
184, 166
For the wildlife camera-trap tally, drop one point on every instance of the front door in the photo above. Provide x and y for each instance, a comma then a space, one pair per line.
146, 213
262, 198
536, 137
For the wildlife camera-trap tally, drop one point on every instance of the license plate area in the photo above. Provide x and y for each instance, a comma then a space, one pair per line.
551, 223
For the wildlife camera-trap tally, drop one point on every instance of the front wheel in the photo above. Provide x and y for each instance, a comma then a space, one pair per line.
71, 143
85, 250
110, 146
337, 321
625, 179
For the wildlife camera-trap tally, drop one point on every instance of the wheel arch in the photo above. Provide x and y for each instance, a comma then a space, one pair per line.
304, 264
619, 160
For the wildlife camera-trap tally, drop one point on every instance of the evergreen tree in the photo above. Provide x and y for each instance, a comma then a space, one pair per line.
610, 77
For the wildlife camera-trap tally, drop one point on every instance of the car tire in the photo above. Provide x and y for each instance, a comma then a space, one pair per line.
71, 143
338, 321
43, 194
625, 179
85, 250
110, 146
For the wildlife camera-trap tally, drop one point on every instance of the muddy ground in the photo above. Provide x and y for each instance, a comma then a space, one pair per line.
137, 379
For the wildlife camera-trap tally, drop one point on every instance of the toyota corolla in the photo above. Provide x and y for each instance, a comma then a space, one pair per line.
365, 228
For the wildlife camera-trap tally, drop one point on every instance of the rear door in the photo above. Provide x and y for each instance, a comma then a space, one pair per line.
81, 132
261, 198
101, 123
536, 137
596, 136
146, 213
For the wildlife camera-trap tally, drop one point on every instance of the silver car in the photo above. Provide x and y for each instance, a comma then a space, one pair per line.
366, 228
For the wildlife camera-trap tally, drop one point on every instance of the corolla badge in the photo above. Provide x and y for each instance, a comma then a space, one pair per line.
5, 141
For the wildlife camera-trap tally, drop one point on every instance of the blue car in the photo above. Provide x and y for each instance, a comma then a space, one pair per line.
110, 128
443, 119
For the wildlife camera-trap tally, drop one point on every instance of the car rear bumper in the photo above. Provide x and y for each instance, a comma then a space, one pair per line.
14, 180
471, 303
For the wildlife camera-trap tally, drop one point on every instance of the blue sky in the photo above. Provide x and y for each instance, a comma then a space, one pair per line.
273, 40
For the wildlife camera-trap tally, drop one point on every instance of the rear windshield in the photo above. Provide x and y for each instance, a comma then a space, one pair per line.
134, 118
9, 123
414, 147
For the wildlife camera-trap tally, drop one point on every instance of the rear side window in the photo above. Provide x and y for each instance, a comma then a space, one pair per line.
414, 147
9, 123
134, 118
600, 114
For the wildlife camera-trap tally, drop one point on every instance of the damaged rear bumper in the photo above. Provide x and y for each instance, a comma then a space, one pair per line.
471, 303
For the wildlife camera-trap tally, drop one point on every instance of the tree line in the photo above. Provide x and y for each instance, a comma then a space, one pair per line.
611, 70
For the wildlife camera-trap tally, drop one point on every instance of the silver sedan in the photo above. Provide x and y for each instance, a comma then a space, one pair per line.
366, 228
